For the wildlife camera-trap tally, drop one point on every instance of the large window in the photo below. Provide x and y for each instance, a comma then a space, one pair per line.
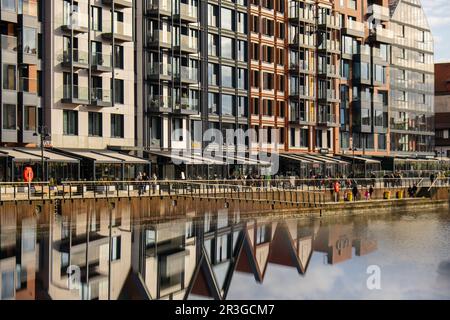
227, 48
70, 122
227, 76
96, 18
227, 105
227, 19
119, 91
9, 117
95, 124
30, 118
9, 77
117, 125
29, 42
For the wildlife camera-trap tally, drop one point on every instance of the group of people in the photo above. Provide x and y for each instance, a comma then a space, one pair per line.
143, 180
336, 189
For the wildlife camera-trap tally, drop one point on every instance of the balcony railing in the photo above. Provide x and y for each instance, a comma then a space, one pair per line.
379, 12
189, 104
327, 69
101, 95
28, 85
355, 25
383, 32
78, 92
329, 21
328, 94
156, 101
296, 12
9, 5
326, 118
75, 56
161, 37
330, 45
101, 60
159, 68
187, 73
164, 5
75, 20
187, 11
9, 43
189, 43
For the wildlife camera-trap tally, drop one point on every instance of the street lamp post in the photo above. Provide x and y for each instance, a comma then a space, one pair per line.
43, 134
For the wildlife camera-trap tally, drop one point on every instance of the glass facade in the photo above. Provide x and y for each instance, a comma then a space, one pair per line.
412, 81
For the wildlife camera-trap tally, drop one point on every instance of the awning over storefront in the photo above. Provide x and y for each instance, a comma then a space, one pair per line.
49, 156
91, 155
19, 156
180, 159
123, 157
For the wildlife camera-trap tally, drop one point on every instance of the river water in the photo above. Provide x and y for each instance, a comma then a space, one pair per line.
216, 251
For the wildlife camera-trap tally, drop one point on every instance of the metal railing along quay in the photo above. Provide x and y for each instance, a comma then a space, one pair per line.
308, 190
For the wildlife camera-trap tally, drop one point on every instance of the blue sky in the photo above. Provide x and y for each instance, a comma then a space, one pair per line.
437, 14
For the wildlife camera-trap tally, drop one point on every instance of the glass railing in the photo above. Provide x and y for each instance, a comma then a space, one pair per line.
100, 95
326, 118
378, 12
164, 5
365, 50
295, 11
187, 73
8, 5
331, 21
101, 59
355, 25
160, 36
28, 7
158, 68
28, 85
9, 43
77, 56
156, 101
122, 28
189, 43
75, 20
78, 92
191, 104
383, 32
187, 10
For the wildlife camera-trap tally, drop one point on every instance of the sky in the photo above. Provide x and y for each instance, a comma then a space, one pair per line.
437, 14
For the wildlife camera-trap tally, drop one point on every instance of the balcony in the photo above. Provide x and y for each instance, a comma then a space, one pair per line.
328, 95
76, 22
187, 75
159, 70
159, 7
332, 46
159, 103
381, 34
75, 94
186, 13
327, 120
380, 13
299, 65
328, 71
9, 49
77, 59
327, 21
119, 4
101, 97
186, 106
101, 62
28, 89
301, 40
297, 13
187, 44
123, 32
300, 91
160, 38
354, 28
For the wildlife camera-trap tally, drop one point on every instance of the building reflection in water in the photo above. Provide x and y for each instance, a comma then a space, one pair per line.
185, 251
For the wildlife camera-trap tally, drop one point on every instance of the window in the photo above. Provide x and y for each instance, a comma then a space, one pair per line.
227, 47
242, 51
96, 18
213, 102
212, 44
118, 57
116, 243
228, 77
213, 70
70, 122
212, 15
9, 117
177, 130
227, 19
29, 42
8, 286
268, 81
117, 126
119, 91
9, 77
30, 118
227, 105
95, 124
242, 79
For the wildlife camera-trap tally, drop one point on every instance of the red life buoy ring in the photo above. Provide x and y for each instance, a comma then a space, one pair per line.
28, 174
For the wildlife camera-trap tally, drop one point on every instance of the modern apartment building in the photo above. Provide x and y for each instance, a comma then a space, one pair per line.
442, 104
412, 80
364, 83
89, 73
20, 58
